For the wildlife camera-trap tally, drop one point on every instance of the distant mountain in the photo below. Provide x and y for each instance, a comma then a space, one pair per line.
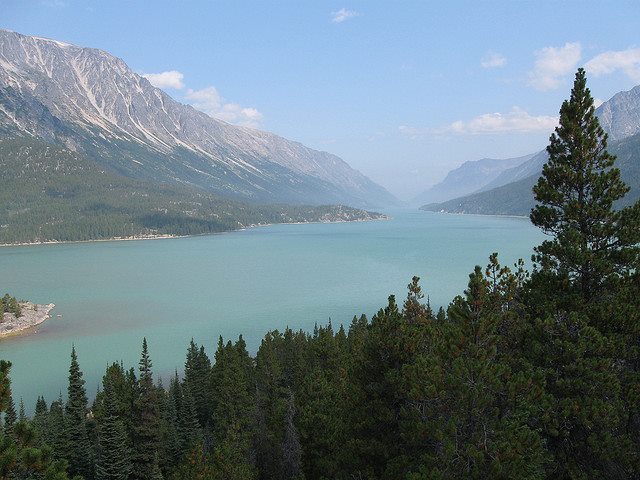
533, 166
91, 102
620, 116
510, 192
469, 177
516, 198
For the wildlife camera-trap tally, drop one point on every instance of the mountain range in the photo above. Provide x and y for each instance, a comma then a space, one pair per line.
509, 193
92, 103
469, 177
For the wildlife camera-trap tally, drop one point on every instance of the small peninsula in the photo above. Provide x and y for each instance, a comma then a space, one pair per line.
22, 317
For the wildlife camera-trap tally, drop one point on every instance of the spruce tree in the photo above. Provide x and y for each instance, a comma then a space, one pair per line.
56, 428
40, 420
196, 378
113, 461
593, 244
78, 448
146, 421
10, 415
189, 430
22, 416
291, 449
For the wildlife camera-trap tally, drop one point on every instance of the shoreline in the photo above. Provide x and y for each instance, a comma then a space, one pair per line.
32, 316
443, 212
165, 236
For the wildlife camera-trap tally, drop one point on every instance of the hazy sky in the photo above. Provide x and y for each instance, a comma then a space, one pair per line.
402, 90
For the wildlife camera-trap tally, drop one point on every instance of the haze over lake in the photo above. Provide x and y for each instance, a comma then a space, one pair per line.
111, 294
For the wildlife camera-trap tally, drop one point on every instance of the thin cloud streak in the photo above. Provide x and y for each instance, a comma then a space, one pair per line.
342, 15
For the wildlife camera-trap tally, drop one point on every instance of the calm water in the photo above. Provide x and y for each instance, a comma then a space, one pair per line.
111, 294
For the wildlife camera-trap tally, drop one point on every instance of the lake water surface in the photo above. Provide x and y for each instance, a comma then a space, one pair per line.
111, 294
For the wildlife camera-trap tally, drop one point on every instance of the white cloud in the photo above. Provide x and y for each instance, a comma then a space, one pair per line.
608, 62
493, 60
553, 64
170, 79
210, 102
515, 121
342, 15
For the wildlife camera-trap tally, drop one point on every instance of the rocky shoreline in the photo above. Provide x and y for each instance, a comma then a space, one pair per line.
32, 316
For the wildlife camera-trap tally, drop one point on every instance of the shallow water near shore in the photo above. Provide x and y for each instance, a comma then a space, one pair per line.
111, 294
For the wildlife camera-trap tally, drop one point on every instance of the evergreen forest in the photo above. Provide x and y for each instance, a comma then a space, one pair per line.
528, 374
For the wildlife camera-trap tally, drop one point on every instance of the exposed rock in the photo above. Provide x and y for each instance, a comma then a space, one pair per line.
32, 316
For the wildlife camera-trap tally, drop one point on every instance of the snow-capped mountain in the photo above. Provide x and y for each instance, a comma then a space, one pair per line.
92, 102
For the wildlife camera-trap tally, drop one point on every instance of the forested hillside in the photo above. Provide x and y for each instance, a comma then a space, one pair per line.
50, 193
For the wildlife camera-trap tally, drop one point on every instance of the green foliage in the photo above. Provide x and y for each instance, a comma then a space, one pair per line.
113, 460
78, 450
146, 421
592, 243
20, 456
9, 304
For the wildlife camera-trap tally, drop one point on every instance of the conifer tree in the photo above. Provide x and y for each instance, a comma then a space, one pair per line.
189, 430
78, 448
22, 416
56, 428
113, 460
20, 458
593, 244
580, 339
234, 407
291, 448
40, 420
10, 416
196, 376
171, 448
146, 421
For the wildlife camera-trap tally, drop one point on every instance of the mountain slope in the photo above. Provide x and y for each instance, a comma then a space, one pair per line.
533, 166
50, 193
468, 178
510, 192
516, 198
620, 115
91, 102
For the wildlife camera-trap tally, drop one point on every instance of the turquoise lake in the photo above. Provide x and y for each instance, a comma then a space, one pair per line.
111, 294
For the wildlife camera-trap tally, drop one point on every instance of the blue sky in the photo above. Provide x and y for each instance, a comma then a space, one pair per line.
402, 90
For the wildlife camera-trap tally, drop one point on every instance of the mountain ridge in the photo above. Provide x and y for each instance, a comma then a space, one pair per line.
510, 192
98, 105
469, 177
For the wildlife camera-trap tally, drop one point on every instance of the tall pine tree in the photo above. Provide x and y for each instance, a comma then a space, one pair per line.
79, 452
593, 244
113, 461
146, 421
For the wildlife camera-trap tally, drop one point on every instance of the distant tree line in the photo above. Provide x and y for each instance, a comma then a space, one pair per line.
527, 375
52, 194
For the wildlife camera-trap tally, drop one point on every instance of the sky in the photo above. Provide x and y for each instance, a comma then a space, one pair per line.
404, 91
